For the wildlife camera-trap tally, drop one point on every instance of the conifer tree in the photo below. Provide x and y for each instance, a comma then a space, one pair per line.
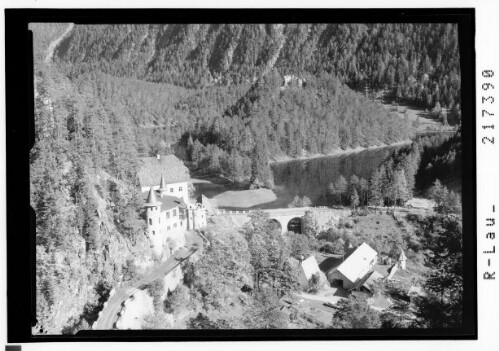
354, 198
399, 193
260, 168
341, 186
376, 187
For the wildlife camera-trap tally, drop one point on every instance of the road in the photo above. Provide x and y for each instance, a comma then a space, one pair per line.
53, 45
114, 304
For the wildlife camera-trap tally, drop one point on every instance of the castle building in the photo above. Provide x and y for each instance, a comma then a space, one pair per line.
173, 173
169, 211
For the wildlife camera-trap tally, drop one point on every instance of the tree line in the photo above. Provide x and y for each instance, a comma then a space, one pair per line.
414, 169
392, 183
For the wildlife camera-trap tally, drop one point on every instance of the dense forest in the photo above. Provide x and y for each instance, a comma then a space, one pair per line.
83, 179
414, 62
233, 95
415, 169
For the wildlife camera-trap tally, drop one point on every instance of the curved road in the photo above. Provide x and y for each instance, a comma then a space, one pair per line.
53, 45
109, 315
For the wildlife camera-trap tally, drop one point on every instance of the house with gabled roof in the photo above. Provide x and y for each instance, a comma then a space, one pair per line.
306, 269
354, 269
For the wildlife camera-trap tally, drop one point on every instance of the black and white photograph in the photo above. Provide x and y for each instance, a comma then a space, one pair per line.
250, 175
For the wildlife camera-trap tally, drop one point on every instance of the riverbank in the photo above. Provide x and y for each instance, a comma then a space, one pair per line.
339, 152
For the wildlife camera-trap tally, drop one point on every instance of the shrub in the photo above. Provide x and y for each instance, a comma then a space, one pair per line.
155, 289
333, 248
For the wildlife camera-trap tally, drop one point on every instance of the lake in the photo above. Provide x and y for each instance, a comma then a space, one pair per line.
309, 177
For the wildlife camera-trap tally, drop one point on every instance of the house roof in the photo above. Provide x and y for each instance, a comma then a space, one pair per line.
371, 278
310, 267
330, 263
167, 202
169, 167
356, 262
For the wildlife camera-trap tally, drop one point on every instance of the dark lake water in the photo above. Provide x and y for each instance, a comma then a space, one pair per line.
303, 178
311, 177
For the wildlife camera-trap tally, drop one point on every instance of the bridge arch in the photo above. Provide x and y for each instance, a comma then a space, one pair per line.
294, 225
276, 223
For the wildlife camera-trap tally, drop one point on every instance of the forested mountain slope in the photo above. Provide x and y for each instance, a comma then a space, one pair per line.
417, 62
227, 128
87, 204
234, 95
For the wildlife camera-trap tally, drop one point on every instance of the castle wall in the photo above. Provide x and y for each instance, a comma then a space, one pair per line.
164, 225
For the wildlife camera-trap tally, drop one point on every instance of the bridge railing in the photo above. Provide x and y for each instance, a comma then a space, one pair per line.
285, 210
233, 212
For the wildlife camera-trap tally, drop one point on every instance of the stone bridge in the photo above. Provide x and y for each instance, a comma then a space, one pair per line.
289, 219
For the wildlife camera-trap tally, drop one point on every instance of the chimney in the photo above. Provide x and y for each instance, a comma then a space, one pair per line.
158, 156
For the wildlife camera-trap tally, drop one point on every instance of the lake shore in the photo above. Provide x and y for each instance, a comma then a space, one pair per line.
284, 159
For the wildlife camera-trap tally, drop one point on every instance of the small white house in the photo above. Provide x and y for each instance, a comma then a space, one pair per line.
354, 268
306, 269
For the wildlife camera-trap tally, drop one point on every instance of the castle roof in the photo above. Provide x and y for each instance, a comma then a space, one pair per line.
169, 202
166, 202
162, 183
151, 198
169, 167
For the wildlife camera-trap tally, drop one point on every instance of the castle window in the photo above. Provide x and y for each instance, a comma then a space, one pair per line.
168, 228
179, 188
167, 215
159, 220
171, 190
180, 223
174, 213
150, 221
153, 232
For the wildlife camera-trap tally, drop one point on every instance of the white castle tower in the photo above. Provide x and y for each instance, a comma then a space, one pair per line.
153, 214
